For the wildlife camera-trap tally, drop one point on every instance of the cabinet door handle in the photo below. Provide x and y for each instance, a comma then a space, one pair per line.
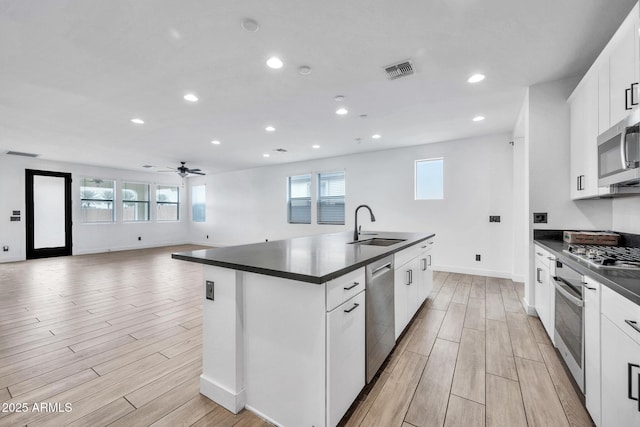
408, 278
355, 305
424, 264
411, 276
630, 367
633, 85
626, 99
538, 271
429, 260
633, 324
348, 288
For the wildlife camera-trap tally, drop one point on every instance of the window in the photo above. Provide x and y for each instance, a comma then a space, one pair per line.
331, 198
198, 203
429, 179
135, 202
96, 200
168, 203
299, 199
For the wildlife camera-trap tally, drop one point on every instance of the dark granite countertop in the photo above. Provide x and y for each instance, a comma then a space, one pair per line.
312, 259
624, 282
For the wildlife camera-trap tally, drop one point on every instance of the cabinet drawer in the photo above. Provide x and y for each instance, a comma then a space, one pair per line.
344, 287
544, 256
622, 313
406, 255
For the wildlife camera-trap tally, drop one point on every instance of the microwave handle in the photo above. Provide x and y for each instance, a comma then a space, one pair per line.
623, 150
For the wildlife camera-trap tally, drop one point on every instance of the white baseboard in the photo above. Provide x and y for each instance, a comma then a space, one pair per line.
102, 250
261, 415
531, 311
223, 397
474, 271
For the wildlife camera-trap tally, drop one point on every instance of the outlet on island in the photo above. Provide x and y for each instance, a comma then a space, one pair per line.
5, 248
139, 237
477, 257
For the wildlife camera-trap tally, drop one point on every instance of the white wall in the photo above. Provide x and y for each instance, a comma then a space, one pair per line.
626, 214
250, 205
87, 238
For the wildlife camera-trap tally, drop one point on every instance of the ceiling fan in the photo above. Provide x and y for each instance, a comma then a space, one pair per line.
183, 171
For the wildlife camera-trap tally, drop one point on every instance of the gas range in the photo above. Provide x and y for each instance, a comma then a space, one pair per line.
614, 257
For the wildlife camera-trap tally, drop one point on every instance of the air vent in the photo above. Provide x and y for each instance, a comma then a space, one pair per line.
18, 153
280, 150
396, 71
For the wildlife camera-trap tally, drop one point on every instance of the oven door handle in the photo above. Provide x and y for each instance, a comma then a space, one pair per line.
567, 295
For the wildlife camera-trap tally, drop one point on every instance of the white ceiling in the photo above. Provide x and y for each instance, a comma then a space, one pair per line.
74, 72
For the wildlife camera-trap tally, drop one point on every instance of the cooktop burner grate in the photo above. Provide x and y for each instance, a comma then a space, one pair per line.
607, 256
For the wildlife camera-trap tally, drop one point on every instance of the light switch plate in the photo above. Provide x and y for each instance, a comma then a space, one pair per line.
209, 290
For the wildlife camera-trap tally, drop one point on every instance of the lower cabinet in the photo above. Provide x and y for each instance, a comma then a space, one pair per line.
620, 352
413, 282
545, 294
591, 297
345, 356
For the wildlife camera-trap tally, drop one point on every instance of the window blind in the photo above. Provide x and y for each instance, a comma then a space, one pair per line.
299, 199
331, 196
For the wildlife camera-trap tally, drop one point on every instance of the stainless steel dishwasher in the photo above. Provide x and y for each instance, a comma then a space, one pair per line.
380, 326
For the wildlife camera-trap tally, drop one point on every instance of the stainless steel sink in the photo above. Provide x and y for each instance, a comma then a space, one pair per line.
377, 241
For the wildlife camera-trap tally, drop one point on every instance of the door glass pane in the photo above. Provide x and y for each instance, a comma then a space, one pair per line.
199, 203
48, 212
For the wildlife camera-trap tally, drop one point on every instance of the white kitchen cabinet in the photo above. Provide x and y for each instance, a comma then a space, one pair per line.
603, 97
345, 356
623, 76
591, 297
405, 294
545, 295
620, 364
413, 282
584, 139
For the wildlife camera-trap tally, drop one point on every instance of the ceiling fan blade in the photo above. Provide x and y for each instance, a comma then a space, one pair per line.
196, 173
194, 170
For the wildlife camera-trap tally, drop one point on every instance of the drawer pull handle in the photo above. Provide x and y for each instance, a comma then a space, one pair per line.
348, 288
630, 367
633, 324
355, 305
422, 247
550, 258
539, 254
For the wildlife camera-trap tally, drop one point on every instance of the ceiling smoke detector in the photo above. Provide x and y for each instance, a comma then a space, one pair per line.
401, 69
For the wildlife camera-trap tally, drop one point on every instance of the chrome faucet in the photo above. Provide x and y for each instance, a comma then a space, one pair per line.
356, 233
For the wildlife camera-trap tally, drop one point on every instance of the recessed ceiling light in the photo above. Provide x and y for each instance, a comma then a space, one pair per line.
478, 118
250, 25
342, 111
274, 62
476, 78
215, 142
315, 146
270, 129
305, 70
266, 155
376, 136
190, 97
339, 98
137, 121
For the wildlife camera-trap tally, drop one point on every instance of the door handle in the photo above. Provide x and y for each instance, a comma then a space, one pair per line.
408, 278
630, 367
626, 99
538, 271
633, 85
424, 264
429, 260
355, 305
348, 288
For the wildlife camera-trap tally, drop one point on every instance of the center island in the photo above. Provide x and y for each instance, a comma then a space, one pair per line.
293, 329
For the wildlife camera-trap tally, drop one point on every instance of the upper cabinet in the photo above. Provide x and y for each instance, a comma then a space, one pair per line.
607, 94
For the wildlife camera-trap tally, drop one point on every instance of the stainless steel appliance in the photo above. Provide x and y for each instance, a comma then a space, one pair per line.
606, 257
619, 154
569, 319
380, 314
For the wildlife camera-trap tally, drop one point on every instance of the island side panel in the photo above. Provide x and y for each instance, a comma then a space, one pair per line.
222, 378
285, 338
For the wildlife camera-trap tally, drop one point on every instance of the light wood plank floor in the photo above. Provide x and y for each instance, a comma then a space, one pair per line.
118, 337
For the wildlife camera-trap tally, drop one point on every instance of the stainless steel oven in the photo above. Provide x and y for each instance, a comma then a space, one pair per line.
569, 319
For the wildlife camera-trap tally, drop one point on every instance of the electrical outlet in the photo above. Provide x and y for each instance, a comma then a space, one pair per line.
139, 237
494, 218
209, 290
540, 218
207, 236
477, 257
5, 249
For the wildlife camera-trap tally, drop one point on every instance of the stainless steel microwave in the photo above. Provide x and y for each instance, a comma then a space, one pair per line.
619, 153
